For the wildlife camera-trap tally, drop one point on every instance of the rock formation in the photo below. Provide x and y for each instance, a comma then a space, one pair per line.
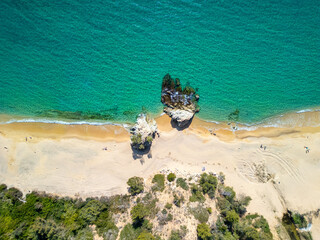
143, 132
181, 104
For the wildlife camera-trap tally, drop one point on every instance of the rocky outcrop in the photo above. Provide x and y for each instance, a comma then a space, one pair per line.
180, 116
143, 132
181, 104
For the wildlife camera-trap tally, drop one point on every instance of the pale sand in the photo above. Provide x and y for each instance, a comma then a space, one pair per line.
70, 160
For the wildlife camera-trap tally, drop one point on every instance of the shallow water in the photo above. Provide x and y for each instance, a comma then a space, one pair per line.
105, 60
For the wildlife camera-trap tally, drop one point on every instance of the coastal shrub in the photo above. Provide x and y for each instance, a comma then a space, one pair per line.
208, 184
200, 213
117, 203
179, 234
228, 193
146, 236
299, 220
138, 213
196, 194
182, 183
129, 233
41, 216
253, 226
164, 218
178, 200
14, 194
3, 187
240, 206
135, 185
171, 177
90, 211
203, 231
223, 204
232, 218
288, 224
168, 206
221, 177
86, 233
46, 229
158, 181
105, 226
142, 210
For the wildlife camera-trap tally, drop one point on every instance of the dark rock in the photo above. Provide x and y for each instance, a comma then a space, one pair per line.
181, 104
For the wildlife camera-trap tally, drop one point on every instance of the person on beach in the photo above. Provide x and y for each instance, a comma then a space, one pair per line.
307, 149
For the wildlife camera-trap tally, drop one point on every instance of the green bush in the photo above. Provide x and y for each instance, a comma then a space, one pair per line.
299, 220
179, 234
168, 206
158, 181
146, 236
46, 229
138, 213
3, 187
229, 193
129, 233
223, 204
14, 194
203, 232
200, 213
178, 200
208, 184
171, 177
90, 211
136, 185
232, 218
182, 183
196, 194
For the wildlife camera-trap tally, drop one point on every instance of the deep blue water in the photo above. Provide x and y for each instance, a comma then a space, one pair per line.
109, 57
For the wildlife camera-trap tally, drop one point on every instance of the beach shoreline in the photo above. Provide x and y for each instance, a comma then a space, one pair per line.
287, 124
269, 164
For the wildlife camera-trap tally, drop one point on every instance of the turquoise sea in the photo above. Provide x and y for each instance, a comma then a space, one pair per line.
85, 58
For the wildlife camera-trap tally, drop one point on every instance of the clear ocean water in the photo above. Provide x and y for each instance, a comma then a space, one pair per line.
108, 57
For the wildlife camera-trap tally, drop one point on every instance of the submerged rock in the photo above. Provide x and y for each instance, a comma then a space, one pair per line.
143, 132
181, 104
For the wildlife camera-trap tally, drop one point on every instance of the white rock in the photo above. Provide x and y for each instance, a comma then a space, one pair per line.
182, 117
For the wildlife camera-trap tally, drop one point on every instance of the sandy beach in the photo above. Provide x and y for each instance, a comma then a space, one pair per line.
86, 160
